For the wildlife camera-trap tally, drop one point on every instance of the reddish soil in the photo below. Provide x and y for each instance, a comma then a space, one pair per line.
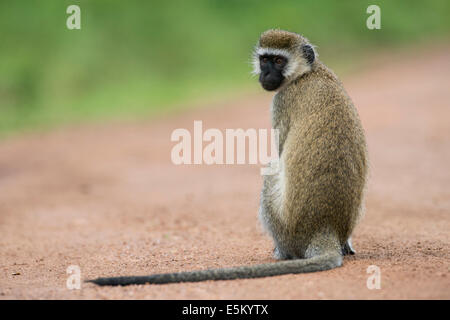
109, 199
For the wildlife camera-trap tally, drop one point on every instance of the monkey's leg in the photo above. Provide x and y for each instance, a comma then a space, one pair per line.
267, 221
347, 248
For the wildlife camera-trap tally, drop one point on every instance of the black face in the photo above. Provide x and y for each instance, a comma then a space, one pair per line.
271, 75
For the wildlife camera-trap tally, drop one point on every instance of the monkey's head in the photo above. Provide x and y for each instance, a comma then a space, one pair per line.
281, 57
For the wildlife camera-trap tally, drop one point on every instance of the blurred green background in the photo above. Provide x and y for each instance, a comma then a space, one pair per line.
136, 58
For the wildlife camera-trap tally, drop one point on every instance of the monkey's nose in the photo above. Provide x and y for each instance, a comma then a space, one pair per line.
266, 73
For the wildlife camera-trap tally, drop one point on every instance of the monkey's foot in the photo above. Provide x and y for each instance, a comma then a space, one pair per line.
347, 248
280, 254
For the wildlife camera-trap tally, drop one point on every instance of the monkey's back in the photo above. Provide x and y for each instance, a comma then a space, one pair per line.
324, 158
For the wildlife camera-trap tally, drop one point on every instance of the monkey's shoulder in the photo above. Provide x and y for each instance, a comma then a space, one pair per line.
314, 91
324, 85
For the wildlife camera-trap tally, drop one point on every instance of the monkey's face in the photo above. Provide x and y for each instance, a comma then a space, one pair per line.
272, 66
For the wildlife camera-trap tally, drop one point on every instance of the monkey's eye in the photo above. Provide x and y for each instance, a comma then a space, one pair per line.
264, 60
279, 61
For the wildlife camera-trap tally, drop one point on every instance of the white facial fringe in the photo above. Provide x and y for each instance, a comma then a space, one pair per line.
291, 68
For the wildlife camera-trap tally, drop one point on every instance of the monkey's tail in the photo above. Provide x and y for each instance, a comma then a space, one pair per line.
321, 262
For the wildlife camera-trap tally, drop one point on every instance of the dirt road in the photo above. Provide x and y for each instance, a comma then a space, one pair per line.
108, 199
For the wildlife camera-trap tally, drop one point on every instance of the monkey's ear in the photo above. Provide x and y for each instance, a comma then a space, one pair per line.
308, 53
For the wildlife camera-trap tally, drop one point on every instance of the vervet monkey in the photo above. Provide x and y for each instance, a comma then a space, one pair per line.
311, 205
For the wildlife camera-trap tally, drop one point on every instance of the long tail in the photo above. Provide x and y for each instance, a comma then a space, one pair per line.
321, 262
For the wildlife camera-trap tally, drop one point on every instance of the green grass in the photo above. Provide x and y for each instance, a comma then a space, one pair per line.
136, 58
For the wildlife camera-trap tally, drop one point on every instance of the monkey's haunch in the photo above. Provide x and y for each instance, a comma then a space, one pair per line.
317, 263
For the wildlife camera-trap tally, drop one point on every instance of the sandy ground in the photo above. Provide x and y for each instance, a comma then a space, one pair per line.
108, 199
